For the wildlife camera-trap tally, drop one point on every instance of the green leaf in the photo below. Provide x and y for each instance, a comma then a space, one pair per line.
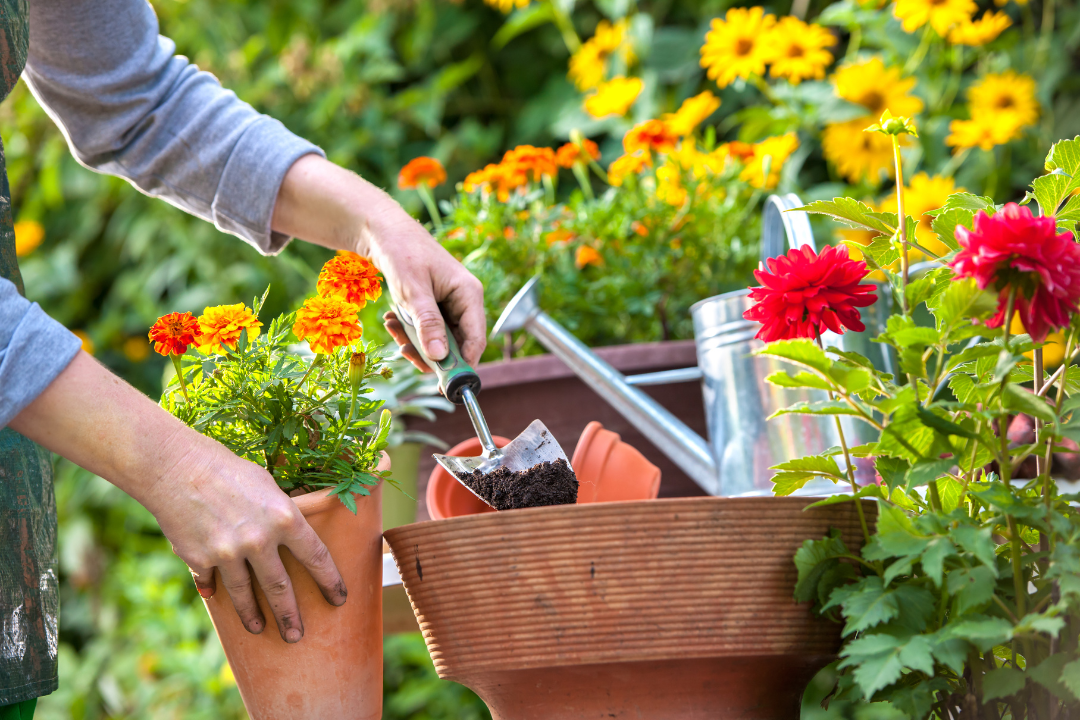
800, 379
1070, 677
785, 483
1048, 674
813, 559
815, 464
892, 470
934, 556
971, 587
961, 304
868, 605
946, 223
967, 201
879, 711
984, 633
898, 568
854, 213
822, 407
924, 471
1063, 164
1068, 215
1019, 400
799, 352
896, 535
521, 21
943, 425
876, 659
1002, 682
979, 542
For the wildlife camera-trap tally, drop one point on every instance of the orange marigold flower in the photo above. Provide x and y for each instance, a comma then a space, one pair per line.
421, 170
501, 178
557, 236
650, 135
172, 334
739, 150
587, 255
350, 277
571, 153
222, 325
541, 161
327, 323
626, 165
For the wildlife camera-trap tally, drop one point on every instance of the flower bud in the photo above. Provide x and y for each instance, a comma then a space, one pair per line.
387, 372
357, 363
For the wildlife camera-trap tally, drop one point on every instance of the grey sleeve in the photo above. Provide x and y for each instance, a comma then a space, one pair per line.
129, 106
34, 349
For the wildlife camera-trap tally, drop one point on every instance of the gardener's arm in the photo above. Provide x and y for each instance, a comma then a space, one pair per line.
217, 509
129, 107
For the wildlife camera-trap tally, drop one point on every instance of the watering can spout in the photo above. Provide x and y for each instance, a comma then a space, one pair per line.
685, 447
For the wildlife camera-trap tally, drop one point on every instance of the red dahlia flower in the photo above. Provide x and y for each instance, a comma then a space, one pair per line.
1013, 249
806, 293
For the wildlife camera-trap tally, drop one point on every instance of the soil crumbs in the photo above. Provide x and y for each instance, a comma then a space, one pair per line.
548, 483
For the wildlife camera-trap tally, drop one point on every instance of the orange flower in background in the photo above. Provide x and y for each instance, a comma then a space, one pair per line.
571, 153
87, 342
587, 255
28, 235
351, 277
693, 111
327, 323
648, 136
741, 151
526, 158
223, 324
558, 236
501, 178
770, 153
172, 334
422, 170
627, 165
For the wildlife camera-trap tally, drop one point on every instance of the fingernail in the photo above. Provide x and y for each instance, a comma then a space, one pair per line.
255, 627
206, 593
436, 349
293, 635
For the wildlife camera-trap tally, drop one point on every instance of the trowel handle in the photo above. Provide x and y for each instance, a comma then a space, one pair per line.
453, 372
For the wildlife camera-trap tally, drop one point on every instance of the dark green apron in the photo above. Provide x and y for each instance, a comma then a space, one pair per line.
29, 597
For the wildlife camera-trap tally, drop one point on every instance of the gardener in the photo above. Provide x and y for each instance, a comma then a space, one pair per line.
129, 107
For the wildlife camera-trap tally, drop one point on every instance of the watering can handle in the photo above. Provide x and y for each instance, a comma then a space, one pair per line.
781, 228
453, 372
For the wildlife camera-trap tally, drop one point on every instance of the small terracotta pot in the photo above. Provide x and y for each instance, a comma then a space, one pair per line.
607, 469
678, 609
335, 671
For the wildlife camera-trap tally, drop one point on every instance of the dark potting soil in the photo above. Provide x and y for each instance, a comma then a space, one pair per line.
548, 483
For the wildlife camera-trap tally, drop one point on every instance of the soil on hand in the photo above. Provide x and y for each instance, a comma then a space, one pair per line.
548, 483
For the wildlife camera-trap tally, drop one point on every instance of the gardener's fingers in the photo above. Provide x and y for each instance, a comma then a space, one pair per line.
204, 581
408, 351
311, 552
237, 581
278, 589
429, 323
464, 306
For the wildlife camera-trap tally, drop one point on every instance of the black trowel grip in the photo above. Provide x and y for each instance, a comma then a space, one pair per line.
453, 372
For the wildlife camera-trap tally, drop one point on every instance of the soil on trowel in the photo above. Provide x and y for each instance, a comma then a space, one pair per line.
548, 483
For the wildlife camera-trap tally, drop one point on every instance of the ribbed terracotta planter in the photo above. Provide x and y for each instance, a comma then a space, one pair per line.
677, 609
335, 671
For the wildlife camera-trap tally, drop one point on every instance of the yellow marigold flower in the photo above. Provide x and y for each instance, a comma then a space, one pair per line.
222, 325
796, 50
614, 97
858, 155
736, 47
627, 165
506, 6
1007, 97
923, 194
87, 342
351, 277
573, 152
772, 153
589, 63
327, 323
691, 113
1003, 3
649, 136
421, 170
982, 132
669, 188
135, 349
587, 255
28, 235
977, 33
877, 89
943, 15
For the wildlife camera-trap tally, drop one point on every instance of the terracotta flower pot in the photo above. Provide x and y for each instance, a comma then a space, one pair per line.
678, 609
607, 469
335, 671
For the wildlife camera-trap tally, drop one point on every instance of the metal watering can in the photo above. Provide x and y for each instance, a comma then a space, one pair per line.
742, 445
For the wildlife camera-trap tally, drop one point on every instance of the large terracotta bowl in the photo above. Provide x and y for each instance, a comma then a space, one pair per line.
674, 609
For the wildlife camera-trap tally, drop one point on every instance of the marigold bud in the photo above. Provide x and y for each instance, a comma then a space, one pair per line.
387, 372
357, 363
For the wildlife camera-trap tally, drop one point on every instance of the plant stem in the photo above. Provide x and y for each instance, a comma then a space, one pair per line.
582, 175
566, 28
433, 209
853, 43
902, 223
1047, 33
920, 52
180, 376
341, 437
955, 162
317, 361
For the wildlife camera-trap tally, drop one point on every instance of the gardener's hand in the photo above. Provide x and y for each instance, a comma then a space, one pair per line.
218, 510
327, 205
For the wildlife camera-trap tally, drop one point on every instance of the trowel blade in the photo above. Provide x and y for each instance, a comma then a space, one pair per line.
532, 447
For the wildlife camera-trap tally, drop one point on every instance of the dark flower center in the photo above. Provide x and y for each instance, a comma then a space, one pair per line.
744, 46
874, 101
796, 51
1005, 102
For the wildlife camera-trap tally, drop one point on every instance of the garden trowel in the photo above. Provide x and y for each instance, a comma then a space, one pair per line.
460, 384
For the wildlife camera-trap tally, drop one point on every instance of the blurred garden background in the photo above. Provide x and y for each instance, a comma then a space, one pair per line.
379, 82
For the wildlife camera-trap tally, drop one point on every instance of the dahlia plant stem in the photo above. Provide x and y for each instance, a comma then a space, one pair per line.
1042, 462
901, 222
180, 376
433, 209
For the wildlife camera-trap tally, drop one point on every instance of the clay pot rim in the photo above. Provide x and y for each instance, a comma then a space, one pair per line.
660, 505
313, 503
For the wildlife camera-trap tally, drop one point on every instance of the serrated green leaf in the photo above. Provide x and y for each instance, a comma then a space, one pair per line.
785, 483
1002, 682
823, 407
1063, 164
854, 213
1070, 678
870, 605
892, 470
799, 352
1048, 674
898, 568
1018, 399
979, 542
944, 425
876, 659
961, 304
933, 558
971, 587
945, 225
800, 379
812, 560
984, 632
924, 471
816, 464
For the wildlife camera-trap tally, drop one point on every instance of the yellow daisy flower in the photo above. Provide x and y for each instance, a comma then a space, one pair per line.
977, 33
506, 6
691, 113
796, 50
614, 97
877, 88
923, 194
736, 46
589, 63
856, 154
942, 15
982, 132
772, 152
1008, 96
